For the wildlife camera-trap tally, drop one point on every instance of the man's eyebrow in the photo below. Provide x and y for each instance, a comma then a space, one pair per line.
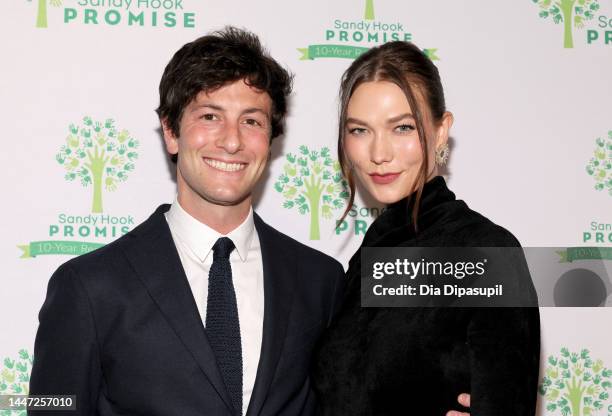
208, 105
252, 110
217, 107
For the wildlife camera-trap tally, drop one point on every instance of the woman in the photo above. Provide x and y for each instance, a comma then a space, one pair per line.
393, 136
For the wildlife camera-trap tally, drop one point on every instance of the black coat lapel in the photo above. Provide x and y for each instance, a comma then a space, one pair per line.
279, 272
157, 263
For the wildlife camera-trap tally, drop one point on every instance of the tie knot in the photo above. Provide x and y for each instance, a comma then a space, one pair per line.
222, 248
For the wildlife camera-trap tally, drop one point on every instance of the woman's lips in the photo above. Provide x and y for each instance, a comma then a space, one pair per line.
384, 179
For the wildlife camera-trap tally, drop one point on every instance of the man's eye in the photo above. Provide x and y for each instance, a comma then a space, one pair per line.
209, 117
252, 122
405, 128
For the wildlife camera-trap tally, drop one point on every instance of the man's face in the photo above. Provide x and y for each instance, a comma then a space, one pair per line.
223, 145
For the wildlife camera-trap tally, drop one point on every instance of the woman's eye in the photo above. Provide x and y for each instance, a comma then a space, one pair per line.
357, 131
405, 128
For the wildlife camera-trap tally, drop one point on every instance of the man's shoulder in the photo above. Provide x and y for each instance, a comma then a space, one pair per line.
111, 253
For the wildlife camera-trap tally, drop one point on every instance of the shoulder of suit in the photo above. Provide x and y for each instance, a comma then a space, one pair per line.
108, 254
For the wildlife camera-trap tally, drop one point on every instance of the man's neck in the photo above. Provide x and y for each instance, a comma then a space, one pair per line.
221, 218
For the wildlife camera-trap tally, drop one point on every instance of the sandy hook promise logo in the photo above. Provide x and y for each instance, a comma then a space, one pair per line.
151, 13
575, 14
575, 384
41, 11
312, 183
15, 375
97, 155
367, 31
600, 165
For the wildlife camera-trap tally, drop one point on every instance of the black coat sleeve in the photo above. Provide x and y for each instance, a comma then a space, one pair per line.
66, 352
504, 353
338, 292
504, 342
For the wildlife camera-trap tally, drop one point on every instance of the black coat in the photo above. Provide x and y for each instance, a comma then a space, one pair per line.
416, 361
120, 329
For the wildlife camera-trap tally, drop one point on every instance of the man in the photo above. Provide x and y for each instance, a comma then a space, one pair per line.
203, 309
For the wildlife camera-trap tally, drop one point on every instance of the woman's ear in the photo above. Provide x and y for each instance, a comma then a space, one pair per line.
443, 129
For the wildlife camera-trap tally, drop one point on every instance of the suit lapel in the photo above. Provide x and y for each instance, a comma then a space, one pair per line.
279, 272
157, 264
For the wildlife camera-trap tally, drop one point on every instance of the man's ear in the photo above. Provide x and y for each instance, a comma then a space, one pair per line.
443, 129
169, 138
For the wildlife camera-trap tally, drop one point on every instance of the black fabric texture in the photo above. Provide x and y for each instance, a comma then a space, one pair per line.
400, 361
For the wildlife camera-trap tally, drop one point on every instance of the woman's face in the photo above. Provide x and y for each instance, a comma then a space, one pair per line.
382, 143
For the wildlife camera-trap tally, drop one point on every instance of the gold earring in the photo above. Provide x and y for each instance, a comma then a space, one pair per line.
442, 153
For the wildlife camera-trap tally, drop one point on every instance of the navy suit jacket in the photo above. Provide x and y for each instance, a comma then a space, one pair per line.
120, 329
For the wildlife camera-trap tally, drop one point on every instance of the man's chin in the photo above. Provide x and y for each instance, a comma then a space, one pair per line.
226, 200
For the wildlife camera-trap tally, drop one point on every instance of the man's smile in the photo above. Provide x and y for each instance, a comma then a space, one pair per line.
225, 166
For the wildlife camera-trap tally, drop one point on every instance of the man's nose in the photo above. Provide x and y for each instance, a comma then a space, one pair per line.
230, 139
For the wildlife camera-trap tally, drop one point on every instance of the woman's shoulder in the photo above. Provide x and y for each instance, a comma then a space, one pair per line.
466, 227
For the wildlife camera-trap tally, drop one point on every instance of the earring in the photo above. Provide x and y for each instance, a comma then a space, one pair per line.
442, 153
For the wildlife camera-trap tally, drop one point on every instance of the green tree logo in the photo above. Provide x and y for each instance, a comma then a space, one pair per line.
572, 13
312, 183
41, 14
600, 165
574, 384
98, 155
15, 377
369, 10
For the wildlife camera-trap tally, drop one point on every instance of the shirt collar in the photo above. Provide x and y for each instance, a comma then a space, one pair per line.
200, 238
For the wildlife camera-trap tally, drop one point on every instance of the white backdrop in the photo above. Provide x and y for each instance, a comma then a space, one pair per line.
527, 112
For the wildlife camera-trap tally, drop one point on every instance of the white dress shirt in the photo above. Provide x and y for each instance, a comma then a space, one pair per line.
194, 241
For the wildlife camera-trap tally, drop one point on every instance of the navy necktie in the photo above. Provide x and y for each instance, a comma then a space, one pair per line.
222, 325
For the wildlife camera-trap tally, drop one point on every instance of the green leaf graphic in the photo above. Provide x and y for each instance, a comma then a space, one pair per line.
579, 391
15, 374
572, 13
600, 165
41, 11
312, 183
102, 161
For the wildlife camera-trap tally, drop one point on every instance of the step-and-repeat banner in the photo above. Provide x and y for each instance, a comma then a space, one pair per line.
528, 82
